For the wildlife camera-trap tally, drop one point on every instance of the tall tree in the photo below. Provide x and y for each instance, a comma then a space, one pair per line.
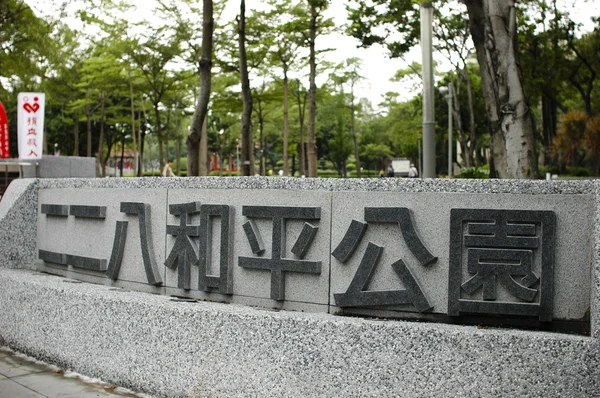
153, 57
540, 38
493, 25
101, 79
454, 42
65, 60
348, 72
493, 30
301, 96
316, 7
201, 110
584, 66
262, 95
246, 130
285, 24
24, 39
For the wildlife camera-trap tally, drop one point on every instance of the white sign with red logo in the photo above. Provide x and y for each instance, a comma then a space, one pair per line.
31, 125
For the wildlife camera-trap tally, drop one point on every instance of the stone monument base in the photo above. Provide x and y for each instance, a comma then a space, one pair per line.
168, 344
171, 348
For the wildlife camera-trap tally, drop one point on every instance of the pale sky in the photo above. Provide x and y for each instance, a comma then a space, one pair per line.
378, 68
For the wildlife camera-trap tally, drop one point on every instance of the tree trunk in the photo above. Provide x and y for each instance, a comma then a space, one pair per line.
463, 137
293, 165
472, 128
354, 137
203, 165
142, 133
247, 141
76, 133
493, 29
263, 144
88, 115
286, 126
549, 118
585, 88
204, 68
101, 140
312, 102
301, 112
166, 135
122, 155
177, 145
133, 136
178, 156
159, 136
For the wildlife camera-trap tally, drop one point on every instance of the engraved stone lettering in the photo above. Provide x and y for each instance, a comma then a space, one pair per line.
501, 250
357, 294
184, 254
278, 264
142, 211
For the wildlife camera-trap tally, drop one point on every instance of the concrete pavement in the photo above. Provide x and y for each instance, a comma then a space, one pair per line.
24, 377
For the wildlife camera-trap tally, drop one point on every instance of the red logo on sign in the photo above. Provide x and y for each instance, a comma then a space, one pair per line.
32, 108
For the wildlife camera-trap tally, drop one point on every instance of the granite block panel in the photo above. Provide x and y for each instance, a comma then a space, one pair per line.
60, 167
431, 217
30, 170
274, 277
54, 167
82, 167
595, 280
104, 234
499, 191
18, 216
66, 167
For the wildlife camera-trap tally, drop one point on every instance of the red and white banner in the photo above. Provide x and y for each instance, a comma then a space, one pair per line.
4, 142
30, 118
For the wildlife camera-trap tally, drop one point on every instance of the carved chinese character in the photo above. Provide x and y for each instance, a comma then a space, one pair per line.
142, 211
278, 264
501, 251
223, 283
357, 294
77, 211
186, 252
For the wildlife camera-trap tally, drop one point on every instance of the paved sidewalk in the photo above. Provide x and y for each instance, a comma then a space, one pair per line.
23, 377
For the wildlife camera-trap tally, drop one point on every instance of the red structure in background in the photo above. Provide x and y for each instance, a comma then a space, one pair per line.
214, 164
4, 135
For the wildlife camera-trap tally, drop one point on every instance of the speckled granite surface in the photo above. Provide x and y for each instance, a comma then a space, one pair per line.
152, 344
18, 228
174, 349
536, 187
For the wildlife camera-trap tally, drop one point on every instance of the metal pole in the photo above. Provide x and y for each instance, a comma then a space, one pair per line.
450, 100
428, 108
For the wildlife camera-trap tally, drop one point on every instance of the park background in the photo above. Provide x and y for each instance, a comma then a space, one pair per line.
122, 79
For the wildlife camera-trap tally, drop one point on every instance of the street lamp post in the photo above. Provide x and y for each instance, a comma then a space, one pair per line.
428, 105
